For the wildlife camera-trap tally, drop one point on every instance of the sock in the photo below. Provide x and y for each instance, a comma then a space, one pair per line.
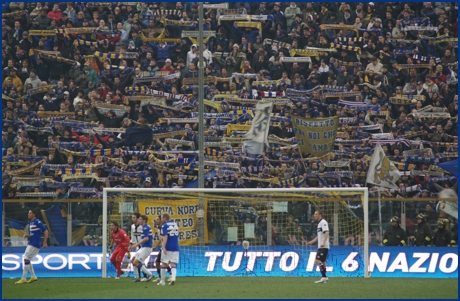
139, 271
32, 272
169, 269
118, 267
173, 272
159, 272
144, 270
163, 273
25, 269
136, 272
322, 268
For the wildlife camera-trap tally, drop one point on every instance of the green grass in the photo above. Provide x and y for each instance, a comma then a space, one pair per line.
234, 288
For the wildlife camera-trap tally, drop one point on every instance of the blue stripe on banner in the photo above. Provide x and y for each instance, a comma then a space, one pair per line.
277, 261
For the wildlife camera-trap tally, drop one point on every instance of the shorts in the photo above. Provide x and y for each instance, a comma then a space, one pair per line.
321, 255
158, 257
143, 253
171, 256
31, 252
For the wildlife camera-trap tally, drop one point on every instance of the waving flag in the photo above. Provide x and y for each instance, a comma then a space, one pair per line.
17, 231
382, 171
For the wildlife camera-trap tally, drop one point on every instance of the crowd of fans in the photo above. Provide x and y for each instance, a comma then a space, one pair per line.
101, 95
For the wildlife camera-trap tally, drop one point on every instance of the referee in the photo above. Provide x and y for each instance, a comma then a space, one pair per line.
136, 232
323, 244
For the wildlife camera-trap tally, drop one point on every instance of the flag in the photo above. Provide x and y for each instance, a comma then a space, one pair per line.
261, 123
17, 231
382, 171
315, 136
450, 166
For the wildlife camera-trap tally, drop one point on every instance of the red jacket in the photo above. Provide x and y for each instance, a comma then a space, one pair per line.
57, 15
120, 238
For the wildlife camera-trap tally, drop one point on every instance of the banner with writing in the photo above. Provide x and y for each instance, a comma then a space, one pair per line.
183, 212
315, 136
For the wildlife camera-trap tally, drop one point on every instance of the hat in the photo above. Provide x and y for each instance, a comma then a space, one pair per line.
85, 20
385, 66
168, 61
441, 222
428, 76
371, 4
419, 83
236, 45
148, 180
213, 87
378, 20
394, 219
66, 93
296, 220
393, 62
87, 64
173, 185
398, 88
277, 4
360, 120
130, 16
25, 33
65, 14
421, 216
388, 33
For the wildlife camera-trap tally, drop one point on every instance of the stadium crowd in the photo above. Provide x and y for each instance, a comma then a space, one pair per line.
101, 95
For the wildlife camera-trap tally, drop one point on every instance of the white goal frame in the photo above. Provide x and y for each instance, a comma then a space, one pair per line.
364, 190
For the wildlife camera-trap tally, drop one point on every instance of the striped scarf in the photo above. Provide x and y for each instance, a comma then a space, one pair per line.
286, 59
117, 56
415, 21
420, 28
277, 43
177, 23
58, 59
426, 58
98, 43
249, 24
346, 40
346, 47
162, 12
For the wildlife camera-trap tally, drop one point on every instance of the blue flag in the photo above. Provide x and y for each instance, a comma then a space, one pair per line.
450, 166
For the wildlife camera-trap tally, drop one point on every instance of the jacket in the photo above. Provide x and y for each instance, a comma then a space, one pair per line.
423, 234
395, 236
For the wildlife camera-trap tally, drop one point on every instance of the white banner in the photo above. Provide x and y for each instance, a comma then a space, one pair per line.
382, 172
261, 123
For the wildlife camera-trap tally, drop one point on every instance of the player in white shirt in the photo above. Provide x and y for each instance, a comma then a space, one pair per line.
323, 244
136, 233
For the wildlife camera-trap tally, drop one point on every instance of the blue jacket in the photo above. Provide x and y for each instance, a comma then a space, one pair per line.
162, 52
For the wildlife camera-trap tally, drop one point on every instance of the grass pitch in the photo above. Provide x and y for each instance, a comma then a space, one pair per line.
234, 288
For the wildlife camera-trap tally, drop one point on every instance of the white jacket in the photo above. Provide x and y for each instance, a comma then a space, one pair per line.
190, 56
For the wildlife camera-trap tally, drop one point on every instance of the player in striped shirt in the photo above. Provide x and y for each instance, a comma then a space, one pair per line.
136, 233
143, 253
36, 227
323, 244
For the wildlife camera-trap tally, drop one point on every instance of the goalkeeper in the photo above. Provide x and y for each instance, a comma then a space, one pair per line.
121, 239
158, 244
395, 235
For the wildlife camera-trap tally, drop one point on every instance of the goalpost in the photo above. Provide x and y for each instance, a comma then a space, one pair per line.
214, 223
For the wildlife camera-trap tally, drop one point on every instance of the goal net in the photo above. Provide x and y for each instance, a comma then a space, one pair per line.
277, 223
